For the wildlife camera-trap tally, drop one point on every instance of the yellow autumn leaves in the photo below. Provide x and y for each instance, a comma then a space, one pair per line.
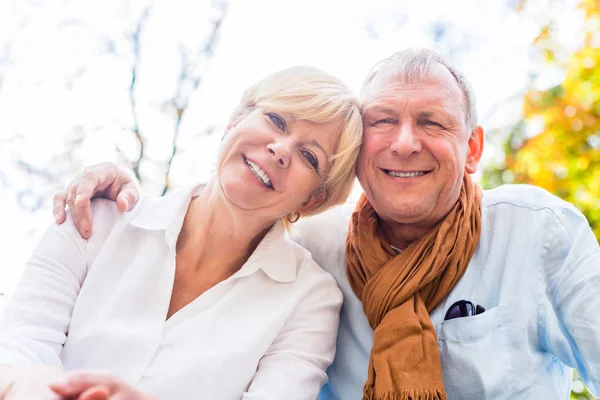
564, 157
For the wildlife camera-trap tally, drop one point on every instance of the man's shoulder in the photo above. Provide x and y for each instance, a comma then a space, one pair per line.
324, 236
327, 227
527, 197
529, 212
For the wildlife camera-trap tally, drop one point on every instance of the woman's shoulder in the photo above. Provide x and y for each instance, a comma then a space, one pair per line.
106, 214
148, 209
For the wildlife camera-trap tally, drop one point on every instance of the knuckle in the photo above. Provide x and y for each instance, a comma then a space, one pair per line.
83, 189
80, 207
87, 174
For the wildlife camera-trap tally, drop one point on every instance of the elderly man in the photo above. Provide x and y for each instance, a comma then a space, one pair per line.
449, 291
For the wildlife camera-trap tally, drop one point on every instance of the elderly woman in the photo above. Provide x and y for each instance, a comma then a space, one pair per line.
198, 294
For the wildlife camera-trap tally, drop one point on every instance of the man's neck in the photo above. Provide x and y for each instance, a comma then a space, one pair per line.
400, 235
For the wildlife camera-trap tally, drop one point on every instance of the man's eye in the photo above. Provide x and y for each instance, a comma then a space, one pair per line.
383, 121
310, 157
431, 123
277, 120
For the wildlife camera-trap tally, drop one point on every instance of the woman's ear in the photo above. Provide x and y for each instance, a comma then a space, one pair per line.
313, 201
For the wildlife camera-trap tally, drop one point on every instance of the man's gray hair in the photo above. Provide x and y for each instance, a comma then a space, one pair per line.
413, 66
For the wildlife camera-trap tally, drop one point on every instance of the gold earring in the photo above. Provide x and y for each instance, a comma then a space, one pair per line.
296, 218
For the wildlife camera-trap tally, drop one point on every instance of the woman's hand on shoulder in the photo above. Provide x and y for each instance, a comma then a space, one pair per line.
101, 180
96, 386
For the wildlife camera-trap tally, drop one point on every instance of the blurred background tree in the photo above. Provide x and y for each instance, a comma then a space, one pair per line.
557, 144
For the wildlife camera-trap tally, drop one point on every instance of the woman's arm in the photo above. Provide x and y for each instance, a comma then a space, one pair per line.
28, 383
294, 365
36, 320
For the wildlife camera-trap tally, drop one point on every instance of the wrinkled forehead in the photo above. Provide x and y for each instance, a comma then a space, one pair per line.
437, 82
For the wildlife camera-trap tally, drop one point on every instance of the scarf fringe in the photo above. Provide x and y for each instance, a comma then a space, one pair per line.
409, 394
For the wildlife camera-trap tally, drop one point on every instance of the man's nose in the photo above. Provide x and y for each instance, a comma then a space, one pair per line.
406, 142
280, 150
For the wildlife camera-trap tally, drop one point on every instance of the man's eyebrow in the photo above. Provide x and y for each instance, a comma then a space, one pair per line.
381, 109
440, 113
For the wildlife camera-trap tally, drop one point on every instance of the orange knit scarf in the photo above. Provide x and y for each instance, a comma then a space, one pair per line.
398, 291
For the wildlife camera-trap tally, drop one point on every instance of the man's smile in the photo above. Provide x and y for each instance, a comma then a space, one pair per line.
404, 174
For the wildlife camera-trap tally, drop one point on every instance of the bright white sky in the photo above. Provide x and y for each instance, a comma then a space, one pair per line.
56, 77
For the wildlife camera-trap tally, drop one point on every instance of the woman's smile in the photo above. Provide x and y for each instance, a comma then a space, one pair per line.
259, 173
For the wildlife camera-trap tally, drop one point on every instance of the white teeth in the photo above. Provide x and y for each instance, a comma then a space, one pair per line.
405, 174
259, 173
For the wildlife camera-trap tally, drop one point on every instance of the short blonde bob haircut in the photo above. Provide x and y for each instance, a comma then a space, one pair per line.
307, 93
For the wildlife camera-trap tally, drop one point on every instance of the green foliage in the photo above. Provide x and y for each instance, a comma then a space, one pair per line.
564, 157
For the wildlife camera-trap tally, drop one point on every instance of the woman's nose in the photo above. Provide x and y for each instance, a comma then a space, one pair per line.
280, 152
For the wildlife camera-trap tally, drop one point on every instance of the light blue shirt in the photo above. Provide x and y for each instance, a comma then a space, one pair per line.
537, 273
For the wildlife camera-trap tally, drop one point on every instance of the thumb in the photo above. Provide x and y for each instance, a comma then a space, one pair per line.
128, 196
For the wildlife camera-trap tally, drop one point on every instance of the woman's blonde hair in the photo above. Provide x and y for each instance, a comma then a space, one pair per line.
307, 93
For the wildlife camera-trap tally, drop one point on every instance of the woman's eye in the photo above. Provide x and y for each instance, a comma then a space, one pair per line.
310, 157
277, 120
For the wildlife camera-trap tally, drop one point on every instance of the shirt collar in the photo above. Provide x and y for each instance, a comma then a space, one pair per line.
156, 213
275, 254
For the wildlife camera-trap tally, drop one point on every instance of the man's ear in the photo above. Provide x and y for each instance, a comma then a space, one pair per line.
313, 201
476, 142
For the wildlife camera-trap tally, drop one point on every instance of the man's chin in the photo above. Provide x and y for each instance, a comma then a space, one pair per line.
405, 212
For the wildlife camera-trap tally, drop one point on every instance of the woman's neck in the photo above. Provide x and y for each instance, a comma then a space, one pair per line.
216, 237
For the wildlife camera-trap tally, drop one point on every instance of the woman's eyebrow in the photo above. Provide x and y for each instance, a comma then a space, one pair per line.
318, 145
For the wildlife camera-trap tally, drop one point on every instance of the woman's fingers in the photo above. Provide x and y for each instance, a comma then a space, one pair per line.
128, 196
101, 180
76, 383
95, 393
59, 202
96, 386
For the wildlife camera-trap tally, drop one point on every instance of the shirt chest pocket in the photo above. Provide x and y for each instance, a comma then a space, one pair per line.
476, 356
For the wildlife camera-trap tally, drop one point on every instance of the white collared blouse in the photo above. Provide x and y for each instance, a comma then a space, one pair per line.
267, 332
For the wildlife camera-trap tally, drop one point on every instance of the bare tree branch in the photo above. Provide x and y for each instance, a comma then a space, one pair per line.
189, 77
135, 38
